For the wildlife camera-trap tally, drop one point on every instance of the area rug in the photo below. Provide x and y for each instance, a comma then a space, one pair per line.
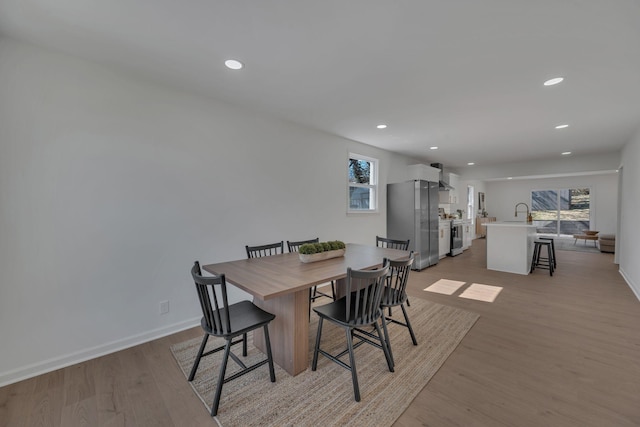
570, 244
325, 397
481, 292
445, 286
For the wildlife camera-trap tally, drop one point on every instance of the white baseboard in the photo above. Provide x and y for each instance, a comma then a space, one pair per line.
24, 372
634, 286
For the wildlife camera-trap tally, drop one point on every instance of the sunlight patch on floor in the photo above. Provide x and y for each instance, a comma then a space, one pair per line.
481, 292
475, 291
445, 286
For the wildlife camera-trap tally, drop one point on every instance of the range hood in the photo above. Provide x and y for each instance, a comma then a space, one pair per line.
443, 185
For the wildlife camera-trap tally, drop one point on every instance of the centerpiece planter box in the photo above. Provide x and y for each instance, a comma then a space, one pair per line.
306, 258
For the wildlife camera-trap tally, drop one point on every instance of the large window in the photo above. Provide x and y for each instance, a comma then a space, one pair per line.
561, 212
363, 183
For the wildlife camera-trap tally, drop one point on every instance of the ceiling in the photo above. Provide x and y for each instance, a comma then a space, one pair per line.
463, 75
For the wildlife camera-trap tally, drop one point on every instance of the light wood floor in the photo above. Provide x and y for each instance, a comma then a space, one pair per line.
549, 351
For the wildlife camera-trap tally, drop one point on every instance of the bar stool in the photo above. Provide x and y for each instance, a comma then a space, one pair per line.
553, 250
539, 261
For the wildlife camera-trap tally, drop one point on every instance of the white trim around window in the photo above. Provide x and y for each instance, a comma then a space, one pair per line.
362, 184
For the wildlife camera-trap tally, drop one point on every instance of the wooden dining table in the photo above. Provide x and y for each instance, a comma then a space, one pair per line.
280, 285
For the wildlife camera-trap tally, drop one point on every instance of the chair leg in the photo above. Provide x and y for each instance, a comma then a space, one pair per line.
310, 301
244, 345
333, 289
223, 369
352, 362
406, 319
384, 348
314, 363
536, 248
272, 372
197, 361
386, 338
408, 303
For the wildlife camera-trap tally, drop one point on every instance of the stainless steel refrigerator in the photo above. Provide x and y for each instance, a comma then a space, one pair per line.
412, 213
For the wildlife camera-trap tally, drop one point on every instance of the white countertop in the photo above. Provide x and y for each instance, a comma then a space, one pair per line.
509, 224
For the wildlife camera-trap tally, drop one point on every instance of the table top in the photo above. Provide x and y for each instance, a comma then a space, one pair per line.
277, 275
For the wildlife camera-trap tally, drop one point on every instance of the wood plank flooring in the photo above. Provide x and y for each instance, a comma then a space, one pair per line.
549, 351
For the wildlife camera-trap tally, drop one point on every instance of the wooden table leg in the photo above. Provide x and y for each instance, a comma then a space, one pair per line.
289, 331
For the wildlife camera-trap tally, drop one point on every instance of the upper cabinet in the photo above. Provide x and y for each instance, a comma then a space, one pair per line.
450, 196
422, 172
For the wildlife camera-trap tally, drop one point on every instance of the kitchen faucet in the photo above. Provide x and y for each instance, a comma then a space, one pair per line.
529, 218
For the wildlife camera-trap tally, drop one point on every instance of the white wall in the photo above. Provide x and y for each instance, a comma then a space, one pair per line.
628, 249
110, 187
463, 184
502, 196
573, 164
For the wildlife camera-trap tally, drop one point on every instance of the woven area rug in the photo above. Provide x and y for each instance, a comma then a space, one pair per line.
570, 244
325, 397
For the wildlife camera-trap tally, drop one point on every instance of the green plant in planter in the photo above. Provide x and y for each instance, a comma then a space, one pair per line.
314, 248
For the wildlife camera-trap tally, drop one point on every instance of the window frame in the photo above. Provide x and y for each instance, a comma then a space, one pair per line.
558, 219
374, 193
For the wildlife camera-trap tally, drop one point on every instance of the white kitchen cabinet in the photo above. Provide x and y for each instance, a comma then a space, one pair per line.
422, 172
467, 234
453, 194
510, 246
444, 238
450, 196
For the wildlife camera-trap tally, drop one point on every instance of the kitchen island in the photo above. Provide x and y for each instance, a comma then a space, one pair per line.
510, 246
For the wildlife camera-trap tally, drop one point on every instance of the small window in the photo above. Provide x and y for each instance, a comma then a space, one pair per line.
363, 184
471, 203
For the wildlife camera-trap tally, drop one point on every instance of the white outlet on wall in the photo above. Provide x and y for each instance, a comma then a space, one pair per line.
164, 307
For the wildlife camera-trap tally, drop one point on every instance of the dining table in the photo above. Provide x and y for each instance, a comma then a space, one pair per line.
280, 285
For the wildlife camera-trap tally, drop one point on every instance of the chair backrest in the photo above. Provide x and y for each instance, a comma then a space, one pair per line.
265, 250
395, 291
215, 316
382, 242
364, 292
294, 246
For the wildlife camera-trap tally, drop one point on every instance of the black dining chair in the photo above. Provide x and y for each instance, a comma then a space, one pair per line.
394, 294
265, 250
231, 322
314, 293
358, 309
403, 245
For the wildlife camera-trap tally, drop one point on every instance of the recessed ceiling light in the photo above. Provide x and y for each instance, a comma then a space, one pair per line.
233, 64
562, 126
553, 81
381, 126
470, 164
566, 153
433, 148
510, 177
